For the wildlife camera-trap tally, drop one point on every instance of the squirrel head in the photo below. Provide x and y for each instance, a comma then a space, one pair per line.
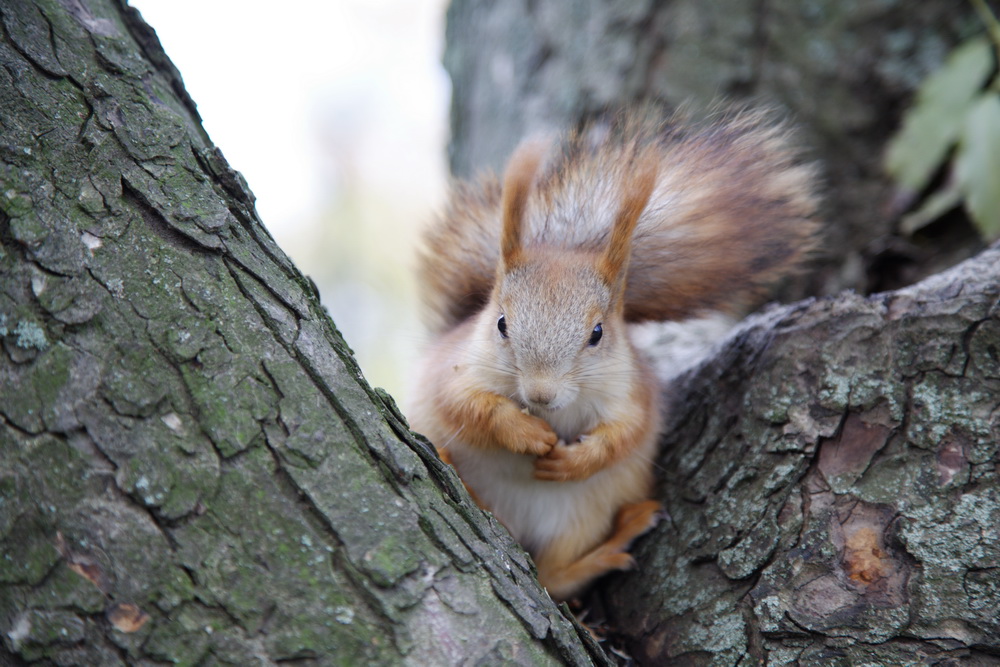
559, 312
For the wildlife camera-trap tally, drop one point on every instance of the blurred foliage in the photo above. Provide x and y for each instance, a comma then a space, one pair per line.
953, 128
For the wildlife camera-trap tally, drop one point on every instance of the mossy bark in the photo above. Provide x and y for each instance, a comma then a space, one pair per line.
193, 469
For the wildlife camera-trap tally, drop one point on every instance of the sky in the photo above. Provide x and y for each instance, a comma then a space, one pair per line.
336, 113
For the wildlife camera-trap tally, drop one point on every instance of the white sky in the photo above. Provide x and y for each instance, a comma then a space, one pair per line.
317, 103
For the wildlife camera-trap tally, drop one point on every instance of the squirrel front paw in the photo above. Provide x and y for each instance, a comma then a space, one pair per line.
564, 463
527, 434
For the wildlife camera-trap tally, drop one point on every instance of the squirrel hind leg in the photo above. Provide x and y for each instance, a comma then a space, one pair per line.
565, 579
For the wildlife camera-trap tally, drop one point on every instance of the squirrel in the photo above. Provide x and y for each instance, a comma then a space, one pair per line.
532, 389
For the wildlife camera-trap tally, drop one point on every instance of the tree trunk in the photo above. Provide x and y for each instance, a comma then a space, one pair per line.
831, 472
193, 469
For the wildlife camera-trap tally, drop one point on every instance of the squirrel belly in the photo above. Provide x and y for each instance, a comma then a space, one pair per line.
573, 514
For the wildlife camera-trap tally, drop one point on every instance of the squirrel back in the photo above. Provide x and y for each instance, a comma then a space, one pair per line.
732, 210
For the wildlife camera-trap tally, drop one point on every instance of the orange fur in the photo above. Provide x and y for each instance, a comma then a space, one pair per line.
516, 188
491, 420
564, 574
638, 188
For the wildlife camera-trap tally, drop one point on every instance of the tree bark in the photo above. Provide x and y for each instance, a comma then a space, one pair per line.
193, 469
831, 478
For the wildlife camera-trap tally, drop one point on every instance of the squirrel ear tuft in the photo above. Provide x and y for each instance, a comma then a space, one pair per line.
637, 187
517, 182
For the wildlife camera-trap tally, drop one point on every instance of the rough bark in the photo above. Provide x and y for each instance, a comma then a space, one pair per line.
193, 468
831, 478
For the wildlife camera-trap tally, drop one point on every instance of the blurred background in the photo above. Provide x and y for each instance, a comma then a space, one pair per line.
336, 114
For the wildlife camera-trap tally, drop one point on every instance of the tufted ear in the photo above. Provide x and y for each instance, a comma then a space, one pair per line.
637, 188
517, 182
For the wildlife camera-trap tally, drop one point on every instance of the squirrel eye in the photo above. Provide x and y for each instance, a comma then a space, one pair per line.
595, 336
502, 326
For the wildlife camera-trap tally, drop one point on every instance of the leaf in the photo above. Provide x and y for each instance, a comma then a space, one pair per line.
977, 165
933, 124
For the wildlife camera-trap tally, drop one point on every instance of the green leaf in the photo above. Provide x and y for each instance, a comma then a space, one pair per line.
977, 165
933, 124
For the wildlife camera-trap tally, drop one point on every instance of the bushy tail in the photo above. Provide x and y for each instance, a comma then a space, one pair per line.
733, 210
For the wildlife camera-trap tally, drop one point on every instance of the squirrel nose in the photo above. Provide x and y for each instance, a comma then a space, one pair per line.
541, 398
541, 394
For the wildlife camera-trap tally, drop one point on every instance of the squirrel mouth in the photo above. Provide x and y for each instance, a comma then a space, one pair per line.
546, 408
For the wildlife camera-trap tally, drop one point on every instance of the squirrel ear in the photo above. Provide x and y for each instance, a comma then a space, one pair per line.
637, 188
517, 183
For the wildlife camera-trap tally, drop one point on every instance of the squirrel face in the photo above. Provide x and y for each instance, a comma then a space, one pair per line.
557, 323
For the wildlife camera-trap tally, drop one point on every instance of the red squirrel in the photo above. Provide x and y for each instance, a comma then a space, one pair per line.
532, 389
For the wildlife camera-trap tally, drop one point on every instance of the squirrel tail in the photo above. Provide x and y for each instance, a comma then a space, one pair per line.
733, 209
